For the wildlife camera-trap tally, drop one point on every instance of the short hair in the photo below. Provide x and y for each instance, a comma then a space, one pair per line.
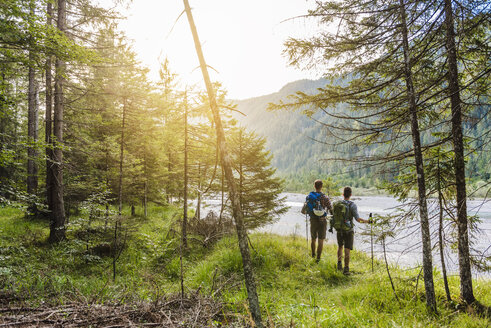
347, 192
318, 184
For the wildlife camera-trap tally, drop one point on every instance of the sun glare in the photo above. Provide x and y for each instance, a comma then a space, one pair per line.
242, 41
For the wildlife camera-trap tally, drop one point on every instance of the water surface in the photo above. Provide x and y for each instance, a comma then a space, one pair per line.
405, 247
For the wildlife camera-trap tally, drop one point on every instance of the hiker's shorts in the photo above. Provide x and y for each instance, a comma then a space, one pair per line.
318, 228
345, 238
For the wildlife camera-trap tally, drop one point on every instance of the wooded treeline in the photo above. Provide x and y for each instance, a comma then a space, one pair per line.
410, 68
81, 123
80, 117
298, 144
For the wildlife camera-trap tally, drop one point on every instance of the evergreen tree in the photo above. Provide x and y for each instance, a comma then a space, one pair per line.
372, 45
259, 190
389, 56
227, 168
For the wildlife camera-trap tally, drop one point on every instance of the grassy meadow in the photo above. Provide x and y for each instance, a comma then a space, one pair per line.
293, 290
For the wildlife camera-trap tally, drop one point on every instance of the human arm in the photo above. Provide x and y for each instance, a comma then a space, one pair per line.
327, 204
357, 217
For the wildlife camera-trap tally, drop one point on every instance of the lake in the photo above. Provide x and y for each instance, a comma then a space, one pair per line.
405, 248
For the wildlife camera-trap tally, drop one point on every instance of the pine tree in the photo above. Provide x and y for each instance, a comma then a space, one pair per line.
32, 116
259, 190
371, 46
57, 224
374, 56
227, 167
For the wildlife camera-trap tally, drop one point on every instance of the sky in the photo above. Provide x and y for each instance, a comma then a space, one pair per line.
242, 41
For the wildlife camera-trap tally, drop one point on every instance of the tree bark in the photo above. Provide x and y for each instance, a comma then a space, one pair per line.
106, 215
49, 121
185, 209
418, 158
169, 178
198, 204
32, 122
241, 176
440, 230
466, 291
57, 227
121, 159
222, 192
145, 184
227, 166
3, 127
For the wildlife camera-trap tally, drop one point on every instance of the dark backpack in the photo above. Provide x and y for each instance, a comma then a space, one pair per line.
341, 220
313, 205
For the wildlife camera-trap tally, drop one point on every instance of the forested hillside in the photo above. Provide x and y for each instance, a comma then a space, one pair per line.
289, 135
301, 148
294, 139
105, 173
94, 126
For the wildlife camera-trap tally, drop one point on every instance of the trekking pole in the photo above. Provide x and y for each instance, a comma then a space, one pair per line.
307, 230
371, 239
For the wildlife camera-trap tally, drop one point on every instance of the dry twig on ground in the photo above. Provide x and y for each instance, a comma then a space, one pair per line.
172, 312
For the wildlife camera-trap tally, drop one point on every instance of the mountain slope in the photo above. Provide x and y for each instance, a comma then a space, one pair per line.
290, 138
289, 134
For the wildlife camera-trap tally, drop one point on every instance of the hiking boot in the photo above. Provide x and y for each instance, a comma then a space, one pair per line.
317, 260
346, 271
340, 266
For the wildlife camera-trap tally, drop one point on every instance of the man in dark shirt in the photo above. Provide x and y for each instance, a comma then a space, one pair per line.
345, 238
318, 225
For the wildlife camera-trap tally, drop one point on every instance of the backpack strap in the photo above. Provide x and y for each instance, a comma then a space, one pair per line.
348, 205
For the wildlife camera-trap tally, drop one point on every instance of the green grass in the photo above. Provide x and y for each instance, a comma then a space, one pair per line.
292, 288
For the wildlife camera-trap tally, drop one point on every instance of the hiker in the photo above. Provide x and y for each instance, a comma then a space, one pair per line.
344, 212
317, 205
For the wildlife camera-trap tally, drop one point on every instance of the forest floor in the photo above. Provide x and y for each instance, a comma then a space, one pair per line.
71, 284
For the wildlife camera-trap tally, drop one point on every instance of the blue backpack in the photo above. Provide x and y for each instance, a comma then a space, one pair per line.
314, 205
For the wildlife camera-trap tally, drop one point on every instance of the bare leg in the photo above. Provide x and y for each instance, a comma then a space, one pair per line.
319, 248
340, 253
312, 245
346, 257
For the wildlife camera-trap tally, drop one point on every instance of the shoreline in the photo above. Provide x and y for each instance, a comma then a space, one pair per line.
403, 249
486, 276
409, 200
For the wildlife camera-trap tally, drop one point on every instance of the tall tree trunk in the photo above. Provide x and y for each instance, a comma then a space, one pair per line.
169, 152
145, 184
222, 192
32, 133
106, 215
49, 121
169, 177
418, 158
241, 177
466, 291
440, 230
121, 159
185, 209
227, 165
3, 133
198, 205
32, 122
57, 227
